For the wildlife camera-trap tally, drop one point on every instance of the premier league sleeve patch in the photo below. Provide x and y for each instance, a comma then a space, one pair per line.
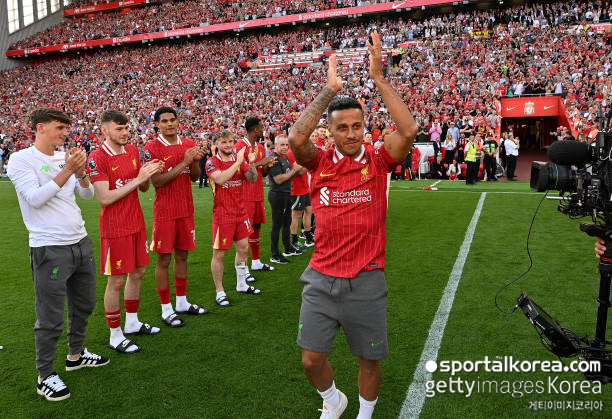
147, 155
92, 164
210, 167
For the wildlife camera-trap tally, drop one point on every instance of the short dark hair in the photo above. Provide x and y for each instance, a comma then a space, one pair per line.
222, 134
342, 103
164, 109
115, 116
251, 123
46, 115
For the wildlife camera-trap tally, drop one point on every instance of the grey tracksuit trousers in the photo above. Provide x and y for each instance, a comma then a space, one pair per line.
60, 273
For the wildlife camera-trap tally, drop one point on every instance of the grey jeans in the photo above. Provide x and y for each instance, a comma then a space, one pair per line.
60, 273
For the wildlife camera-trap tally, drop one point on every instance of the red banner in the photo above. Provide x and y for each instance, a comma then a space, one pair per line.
522, 107
200, 30
597, 27
104, 6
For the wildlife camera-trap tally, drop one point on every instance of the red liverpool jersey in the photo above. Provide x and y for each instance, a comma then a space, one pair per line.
349, 199
253, 191
228, 207
122, 217
299, 184
174, 199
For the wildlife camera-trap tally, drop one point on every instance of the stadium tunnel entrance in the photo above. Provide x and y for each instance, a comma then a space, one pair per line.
534, 132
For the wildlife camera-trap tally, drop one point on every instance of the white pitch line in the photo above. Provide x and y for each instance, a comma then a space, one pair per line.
415, 396
466, 191
434, 184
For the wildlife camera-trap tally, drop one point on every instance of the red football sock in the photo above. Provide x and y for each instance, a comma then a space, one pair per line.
113, 318
254, 244
131, 306
181, 286
164, 295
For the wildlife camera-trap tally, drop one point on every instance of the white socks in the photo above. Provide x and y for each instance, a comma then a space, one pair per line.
167, 310
132, 324
181, 303
366, 408
241, 274
116, 336
256, 264
331, 397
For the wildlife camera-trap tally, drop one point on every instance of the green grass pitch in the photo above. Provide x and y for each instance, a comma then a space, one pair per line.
243, 362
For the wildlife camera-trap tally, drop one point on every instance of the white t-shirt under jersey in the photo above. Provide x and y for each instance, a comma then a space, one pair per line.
50, 213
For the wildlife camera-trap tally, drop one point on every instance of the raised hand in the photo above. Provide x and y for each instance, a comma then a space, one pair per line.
75, 160
191, 154
333, 81
376, 72
199, 154
149, 169
268, 161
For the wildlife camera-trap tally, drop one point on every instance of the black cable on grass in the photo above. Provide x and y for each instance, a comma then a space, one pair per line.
530, 261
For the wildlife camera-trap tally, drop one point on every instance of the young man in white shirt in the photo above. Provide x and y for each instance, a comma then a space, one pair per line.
61, 254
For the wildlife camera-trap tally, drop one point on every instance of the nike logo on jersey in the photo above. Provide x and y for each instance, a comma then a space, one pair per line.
114, 168
166, 158
326, 174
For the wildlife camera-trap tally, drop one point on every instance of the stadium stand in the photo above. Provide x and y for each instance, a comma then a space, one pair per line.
447, 67
161, 16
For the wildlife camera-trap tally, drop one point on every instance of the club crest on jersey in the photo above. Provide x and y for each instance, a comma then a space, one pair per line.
147, 155
364, 173
92, 164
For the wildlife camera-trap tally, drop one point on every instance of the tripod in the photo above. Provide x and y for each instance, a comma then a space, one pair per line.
596, 349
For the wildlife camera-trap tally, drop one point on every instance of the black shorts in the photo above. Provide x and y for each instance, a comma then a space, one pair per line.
300, 202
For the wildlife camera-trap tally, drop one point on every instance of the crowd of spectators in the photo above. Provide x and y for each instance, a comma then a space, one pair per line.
162, 16
451, 78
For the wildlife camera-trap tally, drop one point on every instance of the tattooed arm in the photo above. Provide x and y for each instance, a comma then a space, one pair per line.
299, 135
398, 143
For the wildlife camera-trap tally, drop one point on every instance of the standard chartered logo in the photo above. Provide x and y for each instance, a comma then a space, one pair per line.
324, 196
358, 196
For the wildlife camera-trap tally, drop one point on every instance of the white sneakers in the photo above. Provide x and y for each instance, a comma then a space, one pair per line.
328, 413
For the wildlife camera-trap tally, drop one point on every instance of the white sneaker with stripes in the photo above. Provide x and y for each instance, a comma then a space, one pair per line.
87, 359
53, 388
